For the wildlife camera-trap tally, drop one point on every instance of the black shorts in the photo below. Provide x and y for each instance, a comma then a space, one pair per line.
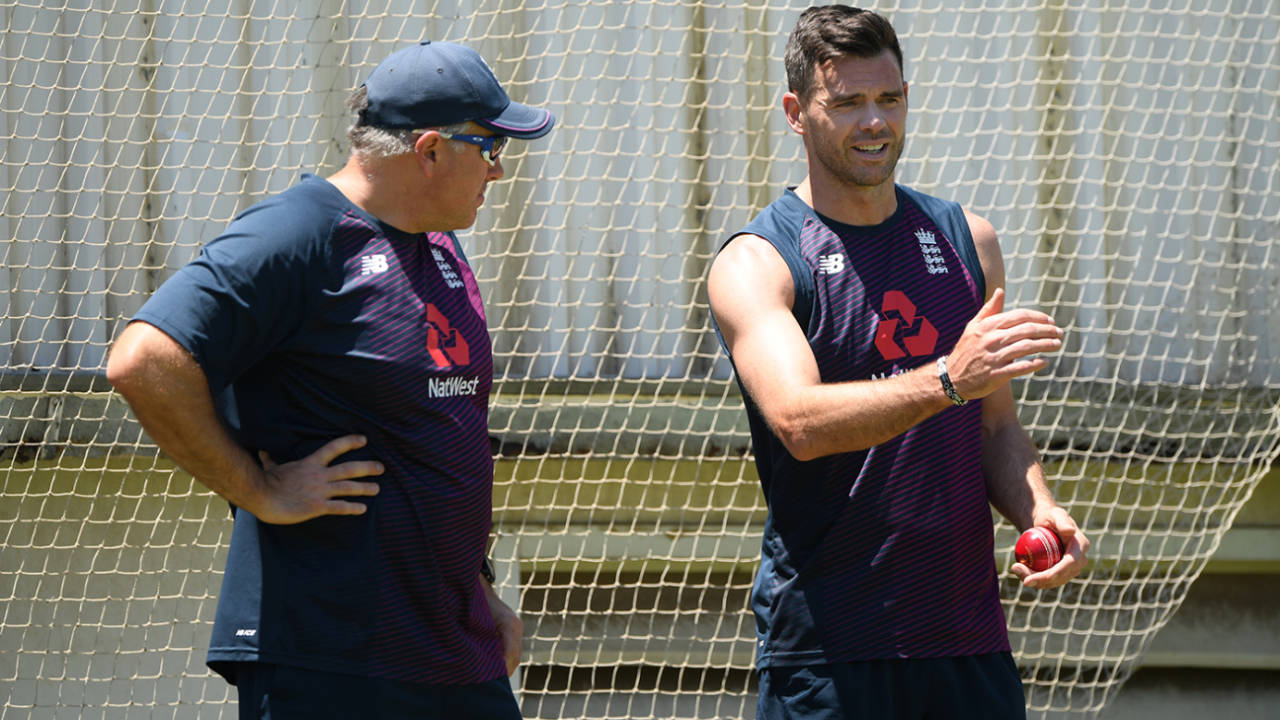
978, 687
281, 692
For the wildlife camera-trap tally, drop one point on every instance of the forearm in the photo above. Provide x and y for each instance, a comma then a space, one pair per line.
1017, 489
1016, 485
825, 419
169, 395
193, 436
510, 627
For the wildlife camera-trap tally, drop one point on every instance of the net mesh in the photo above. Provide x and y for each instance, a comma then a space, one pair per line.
1127, 157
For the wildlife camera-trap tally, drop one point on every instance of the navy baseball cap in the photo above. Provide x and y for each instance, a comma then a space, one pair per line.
434, 84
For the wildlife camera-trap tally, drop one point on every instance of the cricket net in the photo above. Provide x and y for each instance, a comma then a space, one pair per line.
1127, 156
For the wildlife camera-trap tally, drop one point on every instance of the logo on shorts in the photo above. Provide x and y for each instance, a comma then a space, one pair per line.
445, 344
900, 332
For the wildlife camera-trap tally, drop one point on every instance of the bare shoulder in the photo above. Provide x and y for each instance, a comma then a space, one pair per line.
982, 230
749, 268
749, 249
988, 247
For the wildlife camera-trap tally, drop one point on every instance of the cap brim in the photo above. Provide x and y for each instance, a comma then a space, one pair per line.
520, 121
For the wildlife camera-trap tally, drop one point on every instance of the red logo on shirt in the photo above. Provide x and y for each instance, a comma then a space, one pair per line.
900, 332
445, 344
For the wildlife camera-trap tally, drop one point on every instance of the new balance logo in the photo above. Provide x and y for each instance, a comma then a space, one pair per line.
452, 387
830, 264
934, 262
370, 264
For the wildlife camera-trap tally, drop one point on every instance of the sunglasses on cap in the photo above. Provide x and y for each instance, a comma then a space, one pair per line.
490, 145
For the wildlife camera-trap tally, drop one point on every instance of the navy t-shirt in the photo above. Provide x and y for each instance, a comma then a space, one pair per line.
312, 320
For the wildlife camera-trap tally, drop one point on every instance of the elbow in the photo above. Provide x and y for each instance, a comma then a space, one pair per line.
122, 372
131, 361
798, 437
804, 453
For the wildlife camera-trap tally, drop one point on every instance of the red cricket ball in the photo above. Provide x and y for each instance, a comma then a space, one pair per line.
1038, 548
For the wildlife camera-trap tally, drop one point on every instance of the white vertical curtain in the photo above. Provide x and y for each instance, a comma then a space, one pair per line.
1127, 157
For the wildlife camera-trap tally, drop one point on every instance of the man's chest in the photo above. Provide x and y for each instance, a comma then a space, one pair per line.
403, 314
887, 303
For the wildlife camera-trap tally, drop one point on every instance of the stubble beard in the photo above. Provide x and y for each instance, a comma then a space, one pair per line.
842, 165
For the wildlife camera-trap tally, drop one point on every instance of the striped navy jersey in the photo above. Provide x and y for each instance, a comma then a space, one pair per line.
886, 552
314, 320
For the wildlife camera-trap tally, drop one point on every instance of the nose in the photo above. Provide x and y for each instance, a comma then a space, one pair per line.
872, 119
496, 170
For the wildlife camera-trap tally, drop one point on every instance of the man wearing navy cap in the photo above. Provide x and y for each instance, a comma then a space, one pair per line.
325, 366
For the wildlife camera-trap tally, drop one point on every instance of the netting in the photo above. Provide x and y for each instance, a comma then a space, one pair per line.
1127, 156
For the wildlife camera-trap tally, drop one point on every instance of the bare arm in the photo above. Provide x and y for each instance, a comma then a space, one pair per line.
169, 394
752, 295
510, 626
1015, 479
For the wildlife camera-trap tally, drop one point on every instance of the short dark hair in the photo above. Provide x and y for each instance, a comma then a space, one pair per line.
832, 31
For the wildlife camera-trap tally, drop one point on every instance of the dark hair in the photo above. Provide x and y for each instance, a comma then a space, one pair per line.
831, 31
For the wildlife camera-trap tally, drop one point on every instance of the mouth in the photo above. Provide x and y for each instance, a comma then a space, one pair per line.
870, 149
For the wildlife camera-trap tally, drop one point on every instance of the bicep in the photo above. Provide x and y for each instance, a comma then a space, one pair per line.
145, 355
751, 294
987, 245
159, 378
999, 412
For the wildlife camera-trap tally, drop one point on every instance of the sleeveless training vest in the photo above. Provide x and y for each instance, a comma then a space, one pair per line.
886, 552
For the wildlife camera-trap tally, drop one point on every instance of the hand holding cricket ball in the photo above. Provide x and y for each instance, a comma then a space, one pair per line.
1051, 552
1038, 548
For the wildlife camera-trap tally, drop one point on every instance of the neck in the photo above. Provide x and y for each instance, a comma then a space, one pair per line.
849, 204
383, 188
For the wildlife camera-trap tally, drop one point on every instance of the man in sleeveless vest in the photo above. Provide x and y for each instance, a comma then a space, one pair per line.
867, 327
325, 366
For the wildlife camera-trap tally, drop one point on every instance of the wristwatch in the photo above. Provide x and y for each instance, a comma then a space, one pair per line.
486, 571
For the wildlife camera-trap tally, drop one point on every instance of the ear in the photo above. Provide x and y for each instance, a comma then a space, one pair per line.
426, 150
792, 108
